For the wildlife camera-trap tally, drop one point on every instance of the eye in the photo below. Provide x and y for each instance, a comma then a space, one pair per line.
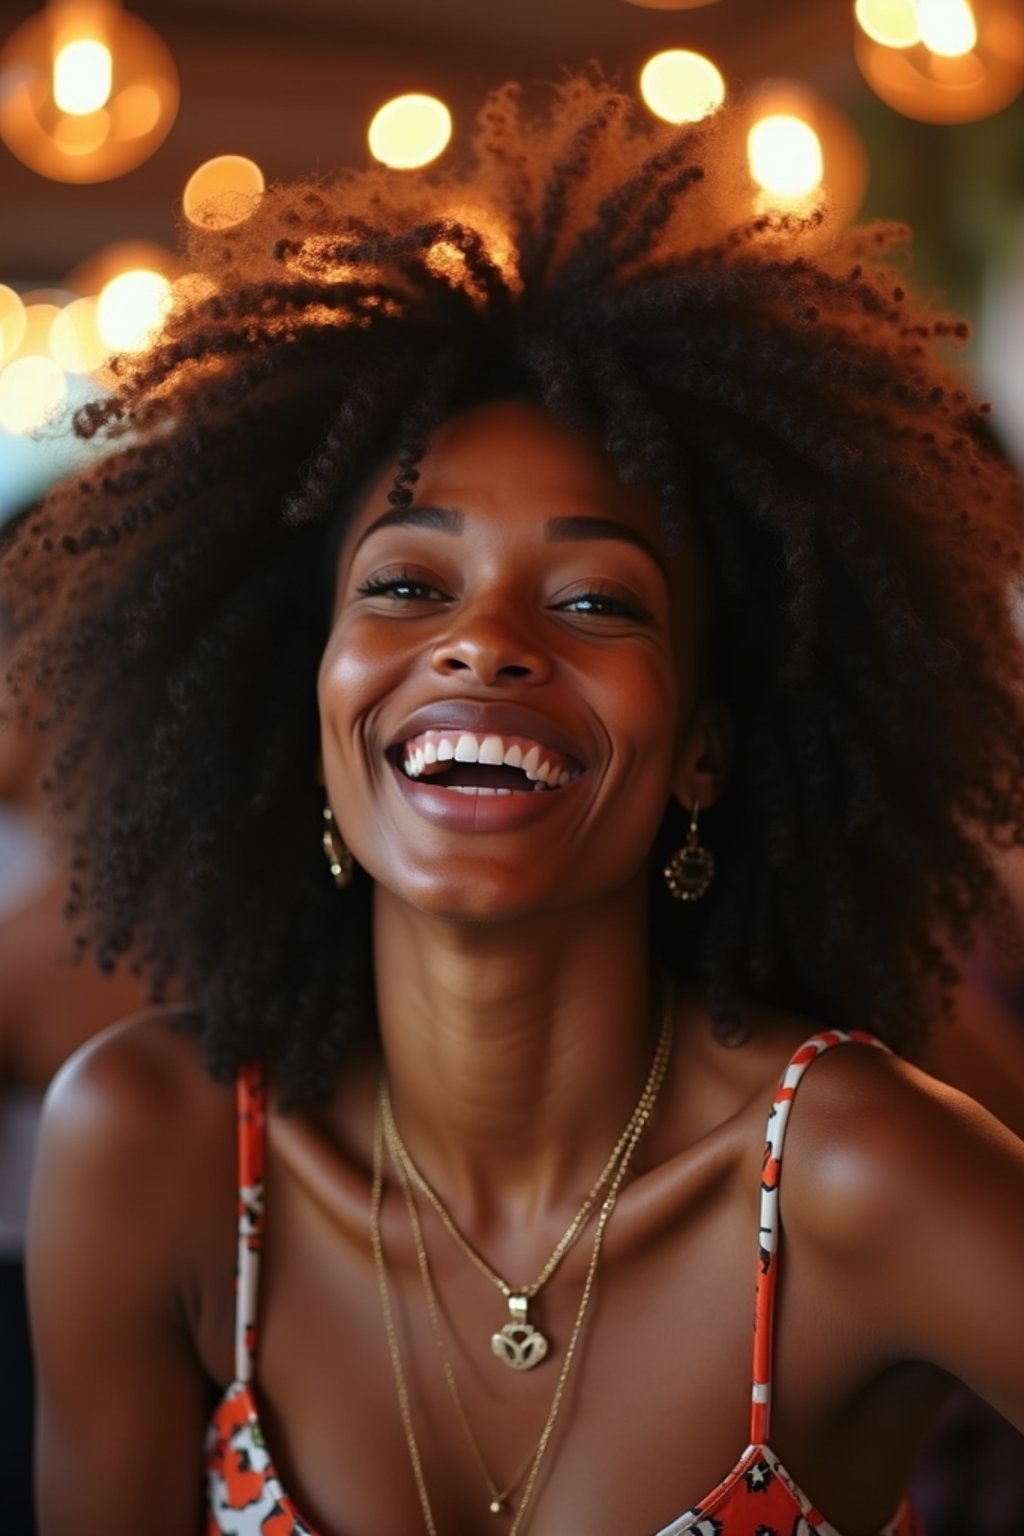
601, 604
401, 586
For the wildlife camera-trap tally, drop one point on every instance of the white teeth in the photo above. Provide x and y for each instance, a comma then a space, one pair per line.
467, 748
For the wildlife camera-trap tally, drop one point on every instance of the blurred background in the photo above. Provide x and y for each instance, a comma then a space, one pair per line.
896, 108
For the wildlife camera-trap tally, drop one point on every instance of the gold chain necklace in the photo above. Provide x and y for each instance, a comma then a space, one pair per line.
637, 1123
499, 1497
518, 1343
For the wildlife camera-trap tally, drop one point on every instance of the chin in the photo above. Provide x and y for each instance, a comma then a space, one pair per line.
467, 892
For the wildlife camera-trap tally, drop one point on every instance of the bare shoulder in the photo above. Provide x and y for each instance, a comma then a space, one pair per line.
130, 1252
134, 1110
143, 1066
877, 1149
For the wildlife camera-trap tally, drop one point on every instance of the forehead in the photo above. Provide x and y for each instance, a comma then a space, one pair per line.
513, 456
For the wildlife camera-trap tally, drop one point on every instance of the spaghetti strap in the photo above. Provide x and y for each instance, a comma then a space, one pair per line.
251, 1108
768, 1237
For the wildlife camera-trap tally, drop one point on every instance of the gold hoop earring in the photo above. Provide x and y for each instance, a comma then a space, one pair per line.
691, 868
339, 860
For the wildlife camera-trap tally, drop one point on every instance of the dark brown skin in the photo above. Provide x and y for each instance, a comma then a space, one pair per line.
517, 1025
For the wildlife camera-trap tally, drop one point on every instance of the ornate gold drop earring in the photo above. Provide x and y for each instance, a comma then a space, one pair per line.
691, 868
339, 860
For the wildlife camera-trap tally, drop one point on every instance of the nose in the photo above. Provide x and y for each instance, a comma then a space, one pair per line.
490, 648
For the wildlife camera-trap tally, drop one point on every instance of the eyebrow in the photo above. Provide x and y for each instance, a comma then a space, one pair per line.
571, 529
579, 529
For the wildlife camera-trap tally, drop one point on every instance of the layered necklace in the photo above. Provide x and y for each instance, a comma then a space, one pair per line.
517, 1343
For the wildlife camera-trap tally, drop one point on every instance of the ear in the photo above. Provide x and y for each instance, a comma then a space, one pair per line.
704, 756
318, 769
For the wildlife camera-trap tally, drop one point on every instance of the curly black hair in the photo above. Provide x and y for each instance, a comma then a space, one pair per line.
768, 376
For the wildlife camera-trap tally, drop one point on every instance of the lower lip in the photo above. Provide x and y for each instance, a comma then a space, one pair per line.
476, 813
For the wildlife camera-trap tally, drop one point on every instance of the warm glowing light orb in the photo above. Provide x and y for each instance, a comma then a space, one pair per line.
131, 309
223, 192
409, 131
893, 23
681, 86
12, 322
87, 90
75, 340
968, 64
785, 157
32, 391
83, 75
35, 338
947, 27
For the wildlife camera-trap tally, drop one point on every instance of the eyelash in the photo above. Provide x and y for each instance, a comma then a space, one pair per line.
606, 605
406, 588
395, 583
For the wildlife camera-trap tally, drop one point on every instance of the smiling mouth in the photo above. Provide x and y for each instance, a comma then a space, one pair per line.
468, 763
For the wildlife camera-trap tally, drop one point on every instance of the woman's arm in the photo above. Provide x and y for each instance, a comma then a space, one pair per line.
121, 1399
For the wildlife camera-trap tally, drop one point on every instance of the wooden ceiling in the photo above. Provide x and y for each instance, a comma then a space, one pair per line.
293, 83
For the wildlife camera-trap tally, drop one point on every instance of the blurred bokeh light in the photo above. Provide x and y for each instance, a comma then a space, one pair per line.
681, 86
223, 192
87, 91
410, 131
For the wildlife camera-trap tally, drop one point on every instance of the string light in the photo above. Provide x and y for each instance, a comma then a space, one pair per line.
83, 73
131, 309
681, 86
942, 61
410, 131
223, 192
802, 156
784, 154
87, 91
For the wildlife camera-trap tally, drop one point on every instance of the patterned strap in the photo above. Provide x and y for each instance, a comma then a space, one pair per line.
771, 1168
251, 1101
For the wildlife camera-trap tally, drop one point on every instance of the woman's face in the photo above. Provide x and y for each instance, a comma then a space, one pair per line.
508, 693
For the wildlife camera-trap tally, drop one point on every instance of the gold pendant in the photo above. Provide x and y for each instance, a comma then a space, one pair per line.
518, 1344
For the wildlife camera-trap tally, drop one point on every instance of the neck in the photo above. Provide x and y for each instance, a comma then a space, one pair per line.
514, 1055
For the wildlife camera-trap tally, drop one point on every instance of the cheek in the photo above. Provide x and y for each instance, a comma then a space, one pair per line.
655, 700
344, 686
358, 673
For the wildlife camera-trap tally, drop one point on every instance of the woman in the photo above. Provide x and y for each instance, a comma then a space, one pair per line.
519, 535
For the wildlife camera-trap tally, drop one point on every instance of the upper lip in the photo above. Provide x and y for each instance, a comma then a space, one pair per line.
487, 720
